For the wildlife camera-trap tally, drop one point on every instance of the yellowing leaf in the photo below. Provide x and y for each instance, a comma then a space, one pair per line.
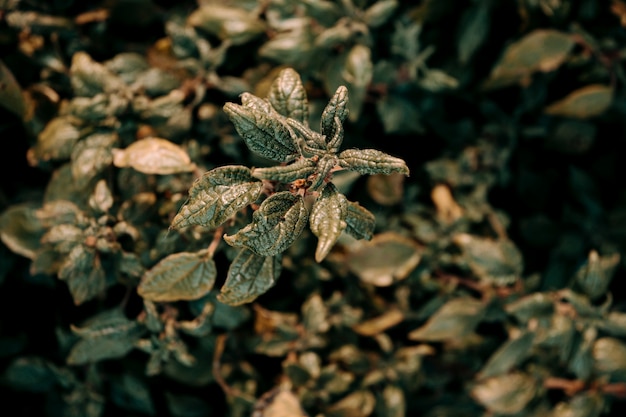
542, 50
275, 225
379, 324
180, 276
154, 156
217, 195
586, 102
387, 257
249, 276
506, 394
327, 219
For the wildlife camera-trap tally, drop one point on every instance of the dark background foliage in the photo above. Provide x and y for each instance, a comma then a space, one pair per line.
552, 185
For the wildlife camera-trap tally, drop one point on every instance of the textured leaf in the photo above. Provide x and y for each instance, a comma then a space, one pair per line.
371, 161
506, 394
108, 335
217, 195
327, 219
154, 156
583, 103
180, 276
456, 318
249, 276
275, 225
360, 222
299, 169
337, 107
288, 96
83, 273
256, 103
263, 134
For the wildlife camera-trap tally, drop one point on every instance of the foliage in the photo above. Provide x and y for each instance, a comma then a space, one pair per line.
196, 221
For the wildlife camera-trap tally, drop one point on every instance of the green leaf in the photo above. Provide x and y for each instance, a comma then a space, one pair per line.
288, 96
583, 103
456, 318
510, 354
91, 156
371, 161
217, 195
360, 221
266, 135
595, 275
336, 107
108, 335
248, 277
609, 356
327, 219
83, 273
300, 169
275, 225
541, 50
180, 276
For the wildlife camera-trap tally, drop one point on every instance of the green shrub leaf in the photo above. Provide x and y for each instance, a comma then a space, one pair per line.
301, 168
266, 135
327, 219
371, 161
249, 276
275, 225
217, 195
360, 221
180, 276
288, 96
108, 335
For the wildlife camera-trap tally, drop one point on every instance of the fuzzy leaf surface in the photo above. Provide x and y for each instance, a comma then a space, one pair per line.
327, 219
180, 276
288, 96
249, 276
275, 225
263, 134
371, 161
217, 195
